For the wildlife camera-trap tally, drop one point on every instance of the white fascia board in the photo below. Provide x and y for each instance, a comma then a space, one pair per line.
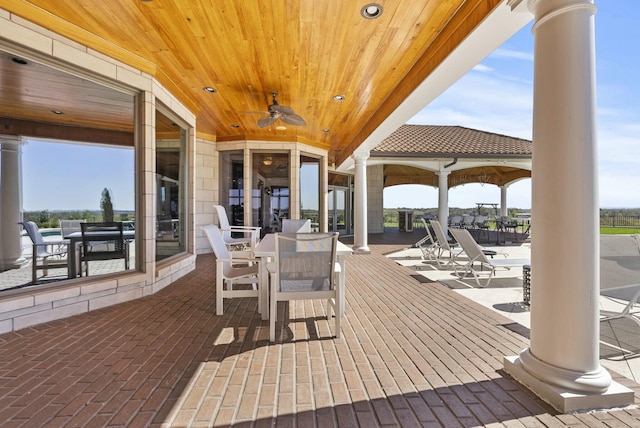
498, 27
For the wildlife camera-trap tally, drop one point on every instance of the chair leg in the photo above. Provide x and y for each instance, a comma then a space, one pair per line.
338, 309
273, 313
219, 289
34, 267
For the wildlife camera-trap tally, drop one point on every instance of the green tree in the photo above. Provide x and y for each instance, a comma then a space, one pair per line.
106, 206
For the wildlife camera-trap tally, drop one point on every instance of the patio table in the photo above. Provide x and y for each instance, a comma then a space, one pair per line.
266, 250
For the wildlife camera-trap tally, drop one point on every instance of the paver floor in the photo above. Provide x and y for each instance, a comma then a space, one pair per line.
411, 354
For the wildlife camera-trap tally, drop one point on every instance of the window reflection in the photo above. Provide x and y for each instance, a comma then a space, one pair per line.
232, 186
170, 188
65, 184
310, 190
270, 190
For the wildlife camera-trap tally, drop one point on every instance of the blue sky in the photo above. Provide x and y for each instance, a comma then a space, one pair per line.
497, 96
46, 169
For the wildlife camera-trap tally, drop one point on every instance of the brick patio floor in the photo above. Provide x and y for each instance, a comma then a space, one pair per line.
411, 354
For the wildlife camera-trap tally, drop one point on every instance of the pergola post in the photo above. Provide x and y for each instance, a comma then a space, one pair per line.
443, 199
503, 201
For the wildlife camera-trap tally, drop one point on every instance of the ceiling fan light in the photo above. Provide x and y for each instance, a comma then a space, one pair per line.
281, 127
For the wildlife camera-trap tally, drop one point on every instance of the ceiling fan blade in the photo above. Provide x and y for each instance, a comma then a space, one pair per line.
281, 109
266, 121
293, 119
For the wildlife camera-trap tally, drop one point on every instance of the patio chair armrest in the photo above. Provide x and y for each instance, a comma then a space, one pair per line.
48, 243
252, 229
239, 261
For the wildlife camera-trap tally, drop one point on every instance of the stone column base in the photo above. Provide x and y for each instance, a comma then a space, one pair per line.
565, 401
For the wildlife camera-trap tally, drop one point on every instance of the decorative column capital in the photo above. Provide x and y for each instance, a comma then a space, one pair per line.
11, 139
360, 157
546, 10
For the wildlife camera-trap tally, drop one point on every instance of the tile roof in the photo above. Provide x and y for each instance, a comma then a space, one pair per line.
436, 140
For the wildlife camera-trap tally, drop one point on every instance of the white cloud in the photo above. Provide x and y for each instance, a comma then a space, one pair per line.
482, 68
512, 54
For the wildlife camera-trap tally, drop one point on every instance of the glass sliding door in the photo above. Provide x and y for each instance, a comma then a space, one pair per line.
339, 204
270, 189
170, 188
232, 186
310, 191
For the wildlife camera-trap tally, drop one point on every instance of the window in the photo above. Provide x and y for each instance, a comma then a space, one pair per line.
170, 188
310, 190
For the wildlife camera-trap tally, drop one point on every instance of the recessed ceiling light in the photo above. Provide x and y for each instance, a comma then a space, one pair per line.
57, 112
235, 125
325, 130
339, 98
371, 11
210, 89
19, 60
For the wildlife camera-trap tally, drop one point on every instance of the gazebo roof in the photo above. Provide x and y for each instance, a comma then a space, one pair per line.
414, 153
451, 141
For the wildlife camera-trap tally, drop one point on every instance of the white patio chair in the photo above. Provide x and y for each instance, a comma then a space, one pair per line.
481, 223
305, 268
475, 254
428, 245
296, 226
455, 221
231, 270
443, 246
250, 235
620, 295
68, 227
50, 253
467, 221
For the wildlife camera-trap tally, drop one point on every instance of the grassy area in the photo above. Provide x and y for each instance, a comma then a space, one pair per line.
604, 230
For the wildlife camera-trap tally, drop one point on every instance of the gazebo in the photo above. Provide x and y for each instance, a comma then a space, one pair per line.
449, 156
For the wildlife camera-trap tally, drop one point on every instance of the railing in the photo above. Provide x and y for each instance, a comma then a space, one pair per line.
620, 221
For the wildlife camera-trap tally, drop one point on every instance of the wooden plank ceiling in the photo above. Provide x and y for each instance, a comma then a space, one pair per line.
308, 51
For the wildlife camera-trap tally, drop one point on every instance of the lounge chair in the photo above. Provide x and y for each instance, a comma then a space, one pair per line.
475, 254
620, 295
428, 245
443, 247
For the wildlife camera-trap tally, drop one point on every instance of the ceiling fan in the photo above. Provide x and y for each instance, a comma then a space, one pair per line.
276, 111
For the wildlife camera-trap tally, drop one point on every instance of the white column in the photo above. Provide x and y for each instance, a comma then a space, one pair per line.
360, 243
562, 363
503, 201
10, 202
443, 199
